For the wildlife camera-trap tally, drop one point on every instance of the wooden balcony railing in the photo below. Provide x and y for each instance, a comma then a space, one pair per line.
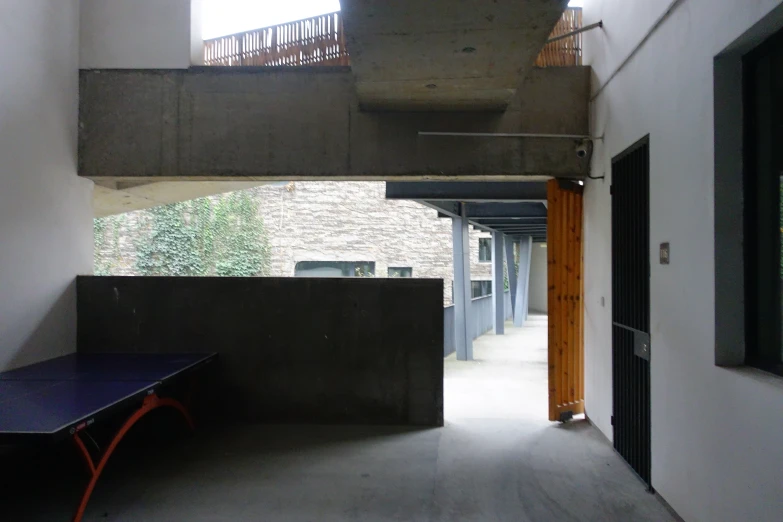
320, 40
568, 51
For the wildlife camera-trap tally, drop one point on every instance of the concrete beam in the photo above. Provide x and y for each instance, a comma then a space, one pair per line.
442, 55
498, 288
523, 281
248, 123
467, 191
463, 330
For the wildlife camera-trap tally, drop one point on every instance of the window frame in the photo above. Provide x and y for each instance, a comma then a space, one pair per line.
488, 241
402, 268
348, 268
762, 128
482, 284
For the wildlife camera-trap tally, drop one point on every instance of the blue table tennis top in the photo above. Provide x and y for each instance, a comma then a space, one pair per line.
47, 407
107, 367
54, 395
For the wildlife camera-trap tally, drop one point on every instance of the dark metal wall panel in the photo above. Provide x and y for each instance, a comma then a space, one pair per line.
631, 306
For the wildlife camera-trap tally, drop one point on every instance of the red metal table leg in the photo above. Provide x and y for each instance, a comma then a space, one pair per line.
151, 402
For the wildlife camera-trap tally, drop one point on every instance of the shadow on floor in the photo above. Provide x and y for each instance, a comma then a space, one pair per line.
497, 459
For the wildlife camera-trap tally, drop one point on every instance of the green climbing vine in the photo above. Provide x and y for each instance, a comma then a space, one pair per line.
223, 235
240, 243
106, 238
220, 235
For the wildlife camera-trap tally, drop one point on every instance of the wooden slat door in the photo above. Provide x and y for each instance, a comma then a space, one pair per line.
564, 259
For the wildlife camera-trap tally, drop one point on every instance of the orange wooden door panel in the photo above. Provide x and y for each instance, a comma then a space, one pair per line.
565, 289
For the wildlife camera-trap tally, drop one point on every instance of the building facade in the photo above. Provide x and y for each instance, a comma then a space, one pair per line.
660, 73
314, 224
337, 228
715, 416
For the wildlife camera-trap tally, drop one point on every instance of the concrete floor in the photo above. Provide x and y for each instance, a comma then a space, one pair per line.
497, 459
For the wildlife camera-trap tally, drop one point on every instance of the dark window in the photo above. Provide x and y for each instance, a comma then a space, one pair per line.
400, 271
485, 249
335, 269
480, 288
763, 183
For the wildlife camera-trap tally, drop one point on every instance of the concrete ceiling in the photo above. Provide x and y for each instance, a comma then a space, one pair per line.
112, 197
444, 54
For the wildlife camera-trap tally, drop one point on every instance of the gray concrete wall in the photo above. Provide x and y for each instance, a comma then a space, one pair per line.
45, 209
538, 291
438, 71
291, 350
304, 123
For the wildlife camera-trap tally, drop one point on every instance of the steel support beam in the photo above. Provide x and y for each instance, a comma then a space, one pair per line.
510, 220
444, 208
463, 331
467, 191
523, 281
498, 287
512, 272
505, 210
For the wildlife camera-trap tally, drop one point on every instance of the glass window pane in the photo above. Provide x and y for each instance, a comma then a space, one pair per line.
400, 271
485, 249
334, 269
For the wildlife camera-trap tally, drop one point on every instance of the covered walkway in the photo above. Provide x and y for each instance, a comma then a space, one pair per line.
497, 459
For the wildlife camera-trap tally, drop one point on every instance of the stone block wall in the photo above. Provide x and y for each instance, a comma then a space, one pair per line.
331, 221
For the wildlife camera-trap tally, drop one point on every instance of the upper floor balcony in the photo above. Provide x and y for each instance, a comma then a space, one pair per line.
321, 40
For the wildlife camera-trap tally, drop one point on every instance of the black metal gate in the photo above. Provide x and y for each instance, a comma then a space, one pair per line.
631, 306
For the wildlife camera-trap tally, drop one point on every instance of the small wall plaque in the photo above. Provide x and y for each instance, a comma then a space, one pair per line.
664, 253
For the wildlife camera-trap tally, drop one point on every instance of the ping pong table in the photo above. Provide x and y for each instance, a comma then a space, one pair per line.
63, 397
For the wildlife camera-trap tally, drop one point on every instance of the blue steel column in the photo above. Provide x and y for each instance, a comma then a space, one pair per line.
512, 272
498, 288
523, 280
463, 331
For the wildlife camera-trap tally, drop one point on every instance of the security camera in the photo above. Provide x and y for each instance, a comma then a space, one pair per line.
583, 148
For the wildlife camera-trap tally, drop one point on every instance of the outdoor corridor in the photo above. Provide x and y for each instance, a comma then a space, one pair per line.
497, 459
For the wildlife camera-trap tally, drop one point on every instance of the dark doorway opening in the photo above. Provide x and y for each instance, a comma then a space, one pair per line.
631, 306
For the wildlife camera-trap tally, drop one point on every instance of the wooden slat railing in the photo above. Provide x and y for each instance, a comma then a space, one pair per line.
319, 40
568, 51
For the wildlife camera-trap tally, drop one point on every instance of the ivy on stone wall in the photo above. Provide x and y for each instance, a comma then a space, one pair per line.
239, 241
106, 238
220, 235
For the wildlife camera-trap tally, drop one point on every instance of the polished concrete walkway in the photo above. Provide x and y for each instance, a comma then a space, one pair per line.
497, 459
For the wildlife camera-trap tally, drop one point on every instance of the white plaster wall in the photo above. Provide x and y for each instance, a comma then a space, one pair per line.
196, 32
716, 433
45, 209
139, 34
538, 298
